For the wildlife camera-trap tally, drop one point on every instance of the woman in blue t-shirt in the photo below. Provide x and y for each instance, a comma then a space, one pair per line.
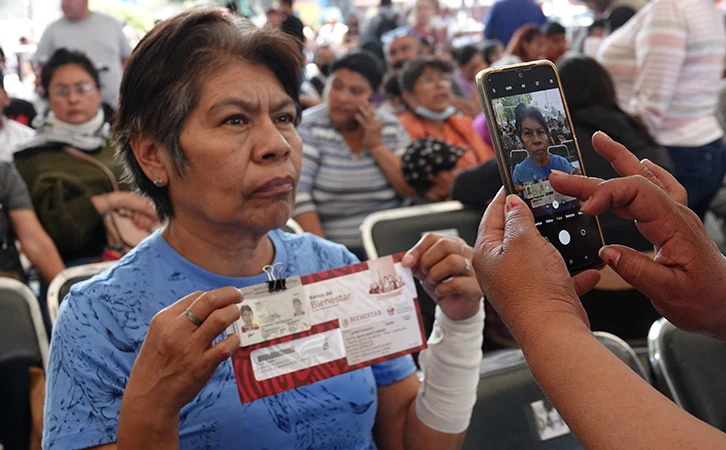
139, 356
535, 136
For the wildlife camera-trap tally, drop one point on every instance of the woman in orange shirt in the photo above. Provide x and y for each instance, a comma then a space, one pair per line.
425, 84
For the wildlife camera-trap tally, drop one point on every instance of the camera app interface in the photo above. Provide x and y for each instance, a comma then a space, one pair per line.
536, 137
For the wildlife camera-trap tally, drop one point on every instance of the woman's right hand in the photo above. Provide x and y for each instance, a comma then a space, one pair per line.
177, 358
687, 278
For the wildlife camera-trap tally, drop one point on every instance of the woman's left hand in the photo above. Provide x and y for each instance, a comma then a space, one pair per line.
372, 126
443, 264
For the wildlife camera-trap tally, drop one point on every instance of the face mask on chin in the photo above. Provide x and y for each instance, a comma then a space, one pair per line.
325, 69
433, 115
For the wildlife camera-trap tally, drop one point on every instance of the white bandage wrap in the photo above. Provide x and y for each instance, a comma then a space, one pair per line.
451, 373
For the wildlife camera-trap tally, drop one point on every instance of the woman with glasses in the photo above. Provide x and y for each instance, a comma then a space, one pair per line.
425, 83
70, 192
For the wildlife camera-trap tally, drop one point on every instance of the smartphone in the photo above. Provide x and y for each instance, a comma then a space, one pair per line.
532, 134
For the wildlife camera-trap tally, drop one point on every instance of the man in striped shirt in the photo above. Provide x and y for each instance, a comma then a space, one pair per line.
667, 63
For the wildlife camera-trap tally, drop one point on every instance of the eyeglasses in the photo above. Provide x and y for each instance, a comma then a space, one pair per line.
434, 79
78, 89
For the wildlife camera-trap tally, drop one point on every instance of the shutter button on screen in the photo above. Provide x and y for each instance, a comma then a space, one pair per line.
564, 237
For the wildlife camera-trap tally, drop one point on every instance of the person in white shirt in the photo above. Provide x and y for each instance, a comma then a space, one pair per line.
12, 134
98, 36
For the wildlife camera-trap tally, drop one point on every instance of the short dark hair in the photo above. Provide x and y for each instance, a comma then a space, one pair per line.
463, 55
552, 29
63, 57
244, 308
524, 35
524, 112
287, 2
363, 62
164, 76
415, 67
489, 49
586, 84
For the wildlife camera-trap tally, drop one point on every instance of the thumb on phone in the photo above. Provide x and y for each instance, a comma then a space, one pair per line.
518, 219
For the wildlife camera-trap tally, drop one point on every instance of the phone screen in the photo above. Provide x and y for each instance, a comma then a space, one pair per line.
528, 119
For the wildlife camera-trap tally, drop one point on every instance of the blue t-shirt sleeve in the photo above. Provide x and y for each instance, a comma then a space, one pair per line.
394, 370
90, 359
562, 164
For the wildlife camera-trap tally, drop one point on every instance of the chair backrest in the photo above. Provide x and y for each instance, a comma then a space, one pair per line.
512, 412
22, 332
62, 283
292, 227
625, 352
397, 230
516, 157
690, 369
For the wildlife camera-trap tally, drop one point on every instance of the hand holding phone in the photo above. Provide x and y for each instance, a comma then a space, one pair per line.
532, 135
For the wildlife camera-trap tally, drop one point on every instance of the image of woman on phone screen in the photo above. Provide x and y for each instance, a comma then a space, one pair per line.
530, 175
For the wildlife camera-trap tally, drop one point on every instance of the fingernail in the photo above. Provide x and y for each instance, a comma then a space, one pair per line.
585, 205
557, 172
602, 133
610, 256
512, 201
408, 260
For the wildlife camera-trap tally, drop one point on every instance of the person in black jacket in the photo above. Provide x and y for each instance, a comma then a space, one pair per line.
613, 305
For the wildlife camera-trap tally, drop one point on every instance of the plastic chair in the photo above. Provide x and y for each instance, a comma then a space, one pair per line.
512, 412
61, 284
397, 230
22, 334
689, 369
292, 227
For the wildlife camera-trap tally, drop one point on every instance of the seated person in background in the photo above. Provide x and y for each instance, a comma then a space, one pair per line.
12, 134
586, 383
21, 111
400, 45
613, 305
324, 57
527, 44
69, 193
351, 155
470, 61
423, 160
141, 349
555, 38
18, 221
426, 86
534, 133
492, 51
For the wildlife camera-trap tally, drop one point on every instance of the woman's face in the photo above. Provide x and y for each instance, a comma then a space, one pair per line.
534, 139
432, 90
73, 95
247, 317
243, 153
475, 65
424, 11
349, 90
534, 49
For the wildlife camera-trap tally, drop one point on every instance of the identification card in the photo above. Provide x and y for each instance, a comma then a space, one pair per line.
325, 324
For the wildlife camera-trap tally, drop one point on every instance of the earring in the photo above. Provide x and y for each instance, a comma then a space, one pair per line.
158, 183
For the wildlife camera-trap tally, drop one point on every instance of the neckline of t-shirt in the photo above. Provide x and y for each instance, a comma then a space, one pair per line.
206, 277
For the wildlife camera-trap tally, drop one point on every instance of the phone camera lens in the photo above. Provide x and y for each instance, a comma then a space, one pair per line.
521, 74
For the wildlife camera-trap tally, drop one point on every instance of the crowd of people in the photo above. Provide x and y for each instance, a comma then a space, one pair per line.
184, 156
